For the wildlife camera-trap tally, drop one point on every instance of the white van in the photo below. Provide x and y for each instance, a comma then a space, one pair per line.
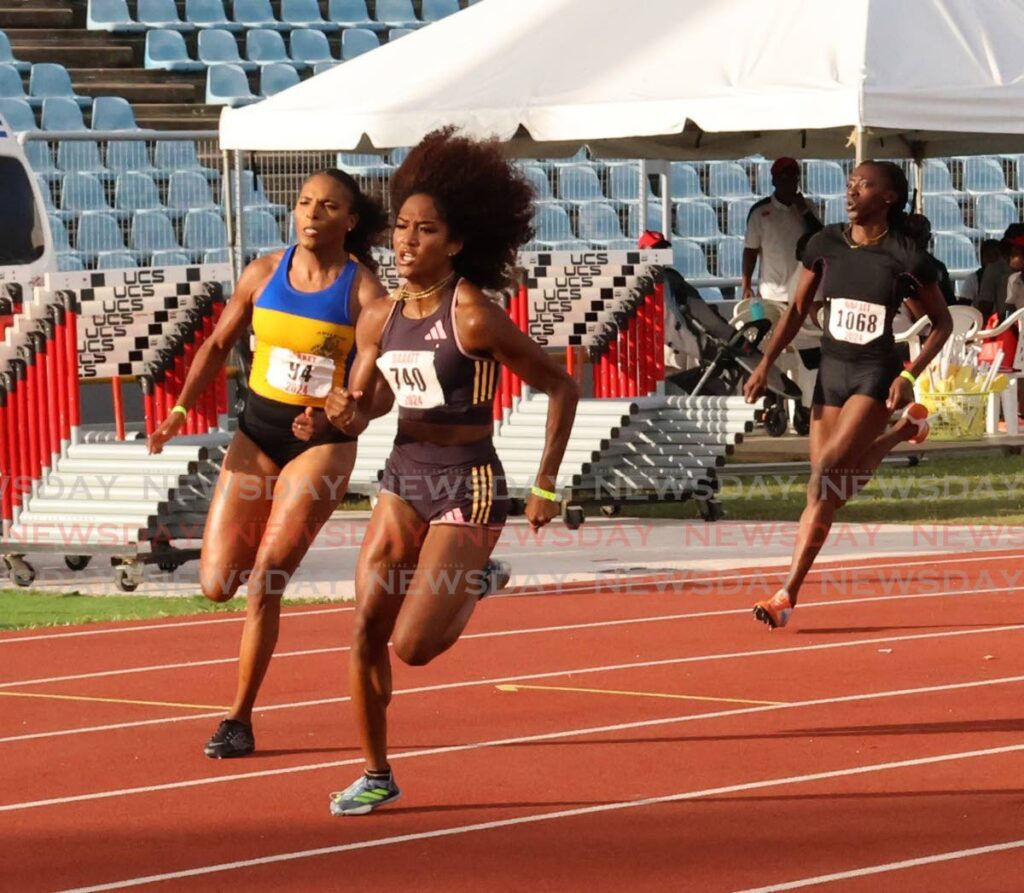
26, 246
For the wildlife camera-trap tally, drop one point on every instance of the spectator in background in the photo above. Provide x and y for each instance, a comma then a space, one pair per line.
919, 228
988, 253
992, 290
774, 227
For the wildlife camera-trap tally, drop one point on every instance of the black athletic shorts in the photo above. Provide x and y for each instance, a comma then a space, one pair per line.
268, 424
459, 484
839, 379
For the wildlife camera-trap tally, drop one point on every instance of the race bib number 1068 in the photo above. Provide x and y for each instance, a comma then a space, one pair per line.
855, 322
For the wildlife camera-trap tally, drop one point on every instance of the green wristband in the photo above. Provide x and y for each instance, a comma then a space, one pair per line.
909, 376
179, 408
544, 494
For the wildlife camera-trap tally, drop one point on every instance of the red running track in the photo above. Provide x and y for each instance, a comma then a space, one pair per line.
657, 738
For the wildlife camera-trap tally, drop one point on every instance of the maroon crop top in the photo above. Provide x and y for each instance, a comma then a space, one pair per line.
434, 379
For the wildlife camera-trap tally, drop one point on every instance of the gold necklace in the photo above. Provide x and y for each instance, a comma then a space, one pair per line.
874, 240
404, 293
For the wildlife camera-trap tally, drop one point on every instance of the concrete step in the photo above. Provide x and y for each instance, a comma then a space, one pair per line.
177, 116
111, 56
36, 17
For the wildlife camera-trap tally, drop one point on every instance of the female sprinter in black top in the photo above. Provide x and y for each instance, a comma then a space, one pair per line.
866, 268
286, 469
462, 212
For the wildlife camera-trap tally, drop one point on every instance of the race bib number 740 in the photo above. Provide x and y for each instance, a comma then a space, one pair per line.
855, 322
412, 377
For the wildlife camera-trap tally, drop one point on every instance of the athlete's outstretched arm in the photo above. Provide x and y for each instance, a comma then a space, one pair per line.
367, 395
928, 300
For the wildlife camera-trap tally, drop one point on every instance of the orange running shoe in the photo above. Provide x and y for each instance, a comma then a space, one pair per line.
917, 415
775, 611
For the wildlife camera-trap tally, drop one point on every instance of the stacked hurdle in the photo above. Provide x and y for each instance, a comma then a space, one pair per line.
114, 499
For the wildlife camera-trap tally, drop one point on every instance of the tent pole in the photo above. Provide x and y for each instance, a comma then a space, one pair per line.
858, 145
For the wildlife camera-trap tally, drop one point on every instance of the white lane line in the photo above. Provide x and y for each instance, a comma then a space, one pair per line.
563, 588
596, 624
238, 617
556, 673
506, 742
457, 830
889, 866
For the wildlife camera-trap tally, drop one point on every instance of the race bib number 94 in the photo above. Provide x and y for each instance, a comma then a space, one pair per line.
300, 374
413, 378
855, 322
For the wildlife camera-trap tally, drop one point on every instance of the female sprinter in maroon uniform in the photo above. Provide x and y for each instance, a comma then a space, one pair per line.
462, 212
867, 269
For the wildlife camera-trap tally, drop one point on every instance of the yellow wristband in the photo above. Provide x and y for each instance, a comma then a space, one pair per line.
179, 408
909, 376
544, 494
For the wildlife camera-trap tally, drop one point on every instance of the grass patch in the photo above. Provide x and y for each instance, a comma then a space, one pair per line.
981, 489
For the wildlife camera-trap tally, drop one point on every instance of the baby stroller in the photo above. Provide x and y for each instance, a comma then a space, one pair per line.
726, 355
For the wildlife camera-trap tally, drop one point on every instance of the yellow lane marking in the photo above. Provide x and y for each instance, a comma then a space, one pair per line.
637, 694
27, 694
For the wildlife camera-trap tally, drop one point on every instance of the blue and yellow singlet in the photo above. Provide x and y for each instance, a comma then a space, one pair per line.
305, 341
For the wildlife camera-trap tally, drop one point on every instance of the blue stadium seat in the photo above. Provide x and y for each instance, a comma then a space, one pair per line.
51, 209
579, 182
255, 14
689, 259
736, 213
434, 10
944, 213
696, 220
59, 235
395, 33
552, 224
730, 258
219, 47
624, 183
40, 157
83, 192
321, 67
217, 256
112, 113
153, 231
136, 192
161, 15
262, 233
98, 231
277, 77
763, 176
228, 85
69, 262
209, 14
189, 191
710, 294
356, 41
204, 231
352, 14
993, 212
81, 156
110, 15
129, 155
599, 222
835, 210
684, 181
397, 156
310, 48
955, 251
728, 179
824, 178
937, 179
253, 196
304, 14
396, 14
171, 259
539, 180
982, 174
12, 87
652, 221
264, 47
167, 51
49, 79
364, 164
180, 155
7, 55
116, 260
18, 114
61, 113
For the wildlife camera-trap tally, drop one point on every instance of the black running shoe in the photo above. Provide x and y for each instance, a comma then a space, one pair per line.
497, 574
233, 738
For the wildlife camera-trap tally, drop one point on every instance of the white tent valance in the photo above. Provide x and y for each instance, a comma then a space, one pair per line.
675, 79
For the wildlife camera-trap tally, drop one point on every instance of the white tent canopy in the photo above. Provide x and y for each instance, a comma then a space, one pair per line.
675, 79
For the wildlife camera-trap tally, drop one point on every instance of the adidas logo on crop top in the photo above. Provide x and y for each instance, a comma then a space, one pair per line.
864, 286
304, 340
433, 378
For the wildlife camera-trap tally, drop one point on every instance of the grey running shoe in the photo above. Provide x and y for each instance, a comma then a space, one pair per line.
233, 738
497, 574
364, 795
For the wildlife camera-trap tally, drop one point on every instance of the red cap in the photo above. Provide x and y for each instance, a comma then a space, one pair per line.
784, 165
653, 239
